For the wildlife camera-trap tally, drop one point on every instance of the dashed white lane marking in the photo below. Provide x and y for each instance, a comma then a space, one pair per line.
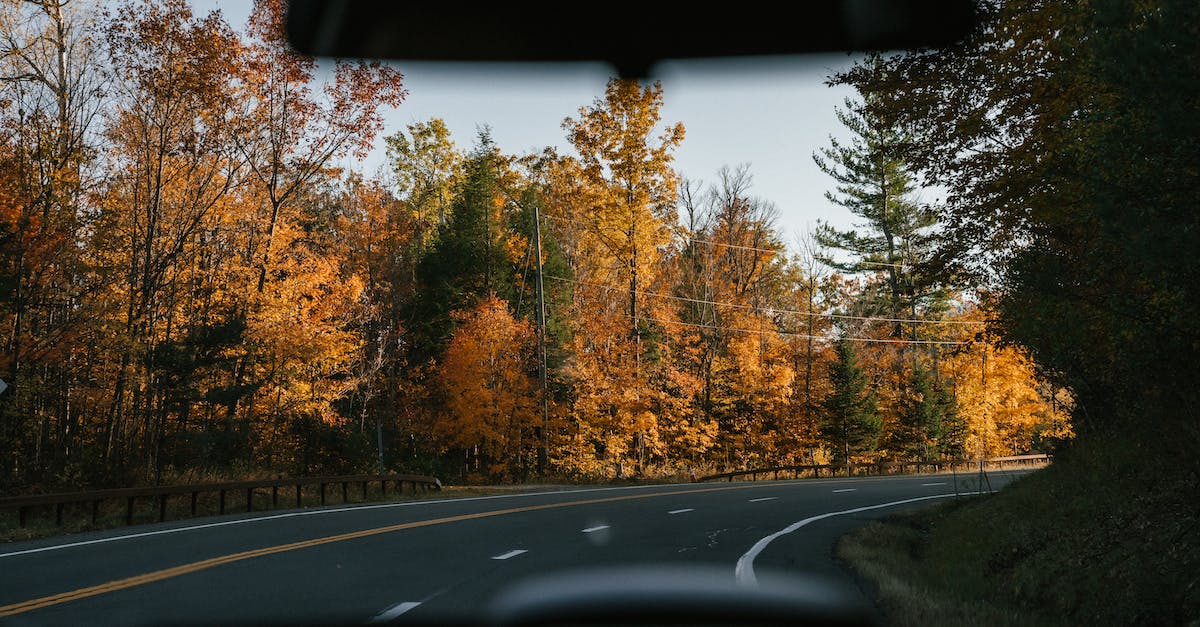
935, 483
744, 571
682, 511
596, 528
512, 553
845, 490
765, 498
393, 611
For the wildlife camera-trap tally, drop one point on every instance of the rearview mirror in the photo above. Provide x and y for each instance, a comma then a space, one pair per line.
631, 36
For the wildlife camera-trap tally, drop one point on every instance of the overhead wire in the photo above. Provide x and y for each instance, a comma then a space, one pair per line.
725, 245
762, 309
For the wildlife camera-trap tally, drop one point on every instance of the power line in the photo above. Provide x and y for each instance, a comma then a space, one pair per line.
765, 309
803, 335
741, 247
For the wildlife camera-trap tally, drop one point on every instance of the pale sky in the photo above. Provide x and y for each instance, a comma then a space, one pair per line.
772, 114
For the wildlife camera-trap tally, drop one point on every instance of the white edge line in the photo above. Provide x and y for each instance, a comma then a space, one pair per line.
744, 571
393, 611
597, 528
320, 512
512, 553
765, 498
935, 483
845, 490
681, 511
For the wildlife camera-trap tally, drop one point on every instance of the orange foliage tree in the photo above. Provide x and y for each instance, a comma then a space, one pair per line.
488, 390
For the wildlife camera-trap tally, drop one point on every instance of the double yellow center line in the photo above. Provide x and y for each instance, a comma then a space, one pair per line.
160, 575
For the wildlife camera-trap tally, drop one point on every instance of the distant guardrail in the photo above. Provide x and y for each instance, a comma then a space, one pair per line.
882, 468
58, 502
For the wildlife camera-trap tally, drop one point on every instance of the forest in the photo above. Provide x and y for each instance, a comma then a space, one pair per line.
192, 287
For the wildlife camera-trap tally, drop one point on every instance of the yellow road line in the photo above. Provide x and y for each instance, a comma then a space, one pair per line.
168, 573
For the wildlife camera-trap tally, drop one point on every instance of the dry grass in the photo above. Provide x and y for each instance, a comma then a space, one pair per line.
1103, 537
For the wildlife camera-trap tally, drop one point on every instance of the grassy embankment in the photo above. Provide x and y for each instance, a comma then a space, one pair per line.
1106, 535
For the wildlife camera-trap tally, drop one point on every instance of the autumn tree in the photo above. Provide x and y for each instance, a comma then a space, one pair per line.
633, 179
169, 172
628, 189
290, 129
427, 168
50, 98
488, 391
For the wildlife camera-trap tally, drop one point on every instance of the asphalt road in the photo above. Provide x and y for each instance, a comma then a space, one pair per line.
417, 560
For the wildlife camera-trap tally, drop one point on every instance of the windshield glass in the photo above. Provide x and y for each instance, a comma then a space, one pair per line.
374, 339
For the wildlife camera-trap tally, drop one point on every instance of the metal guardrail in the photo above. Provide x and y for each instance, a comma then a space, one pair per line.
24, 504
882, 468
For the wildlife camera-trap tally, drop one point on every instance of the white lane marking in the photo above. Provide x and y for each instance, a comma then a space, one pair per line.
765, 498
744, 571
512, 553
845, 490
393, 611
935, 483
597, 528
321, 512
681, 511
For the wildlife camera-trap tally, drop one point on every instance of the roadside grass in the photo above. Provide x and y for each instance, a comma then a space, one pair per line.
1102, 536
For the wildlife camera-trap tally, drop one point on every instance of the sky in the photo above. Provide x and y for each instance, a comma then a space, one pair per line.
772, 114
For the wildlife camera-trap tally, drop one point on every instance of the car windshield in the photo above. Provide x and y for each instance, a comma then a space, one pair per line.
881, 336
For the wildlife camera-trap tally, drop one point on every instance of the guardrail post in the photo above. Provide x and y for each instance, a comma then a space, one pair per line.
95, 510
364, 490
194, 495
322, 492
297, 495
162, 507
58, 507
345, 493
249, 499
21, 517
383, 487
129, 510
222, 500
274, 496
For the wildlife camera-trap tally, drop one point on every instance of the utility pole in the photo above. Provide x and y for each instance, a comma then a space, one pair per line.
543, 430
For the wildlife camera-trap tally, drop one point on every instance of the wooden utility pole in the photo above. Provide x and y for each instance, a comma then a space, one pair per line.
543, 430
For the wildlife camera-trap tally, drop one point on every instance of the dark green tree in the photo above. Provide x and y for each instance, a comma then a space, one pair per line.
1066, 135
875, 183
470, 258
928, 425
851, 422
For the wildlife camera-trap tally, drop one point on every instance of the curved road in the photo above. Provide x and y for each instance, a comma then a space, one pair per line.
416, 560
